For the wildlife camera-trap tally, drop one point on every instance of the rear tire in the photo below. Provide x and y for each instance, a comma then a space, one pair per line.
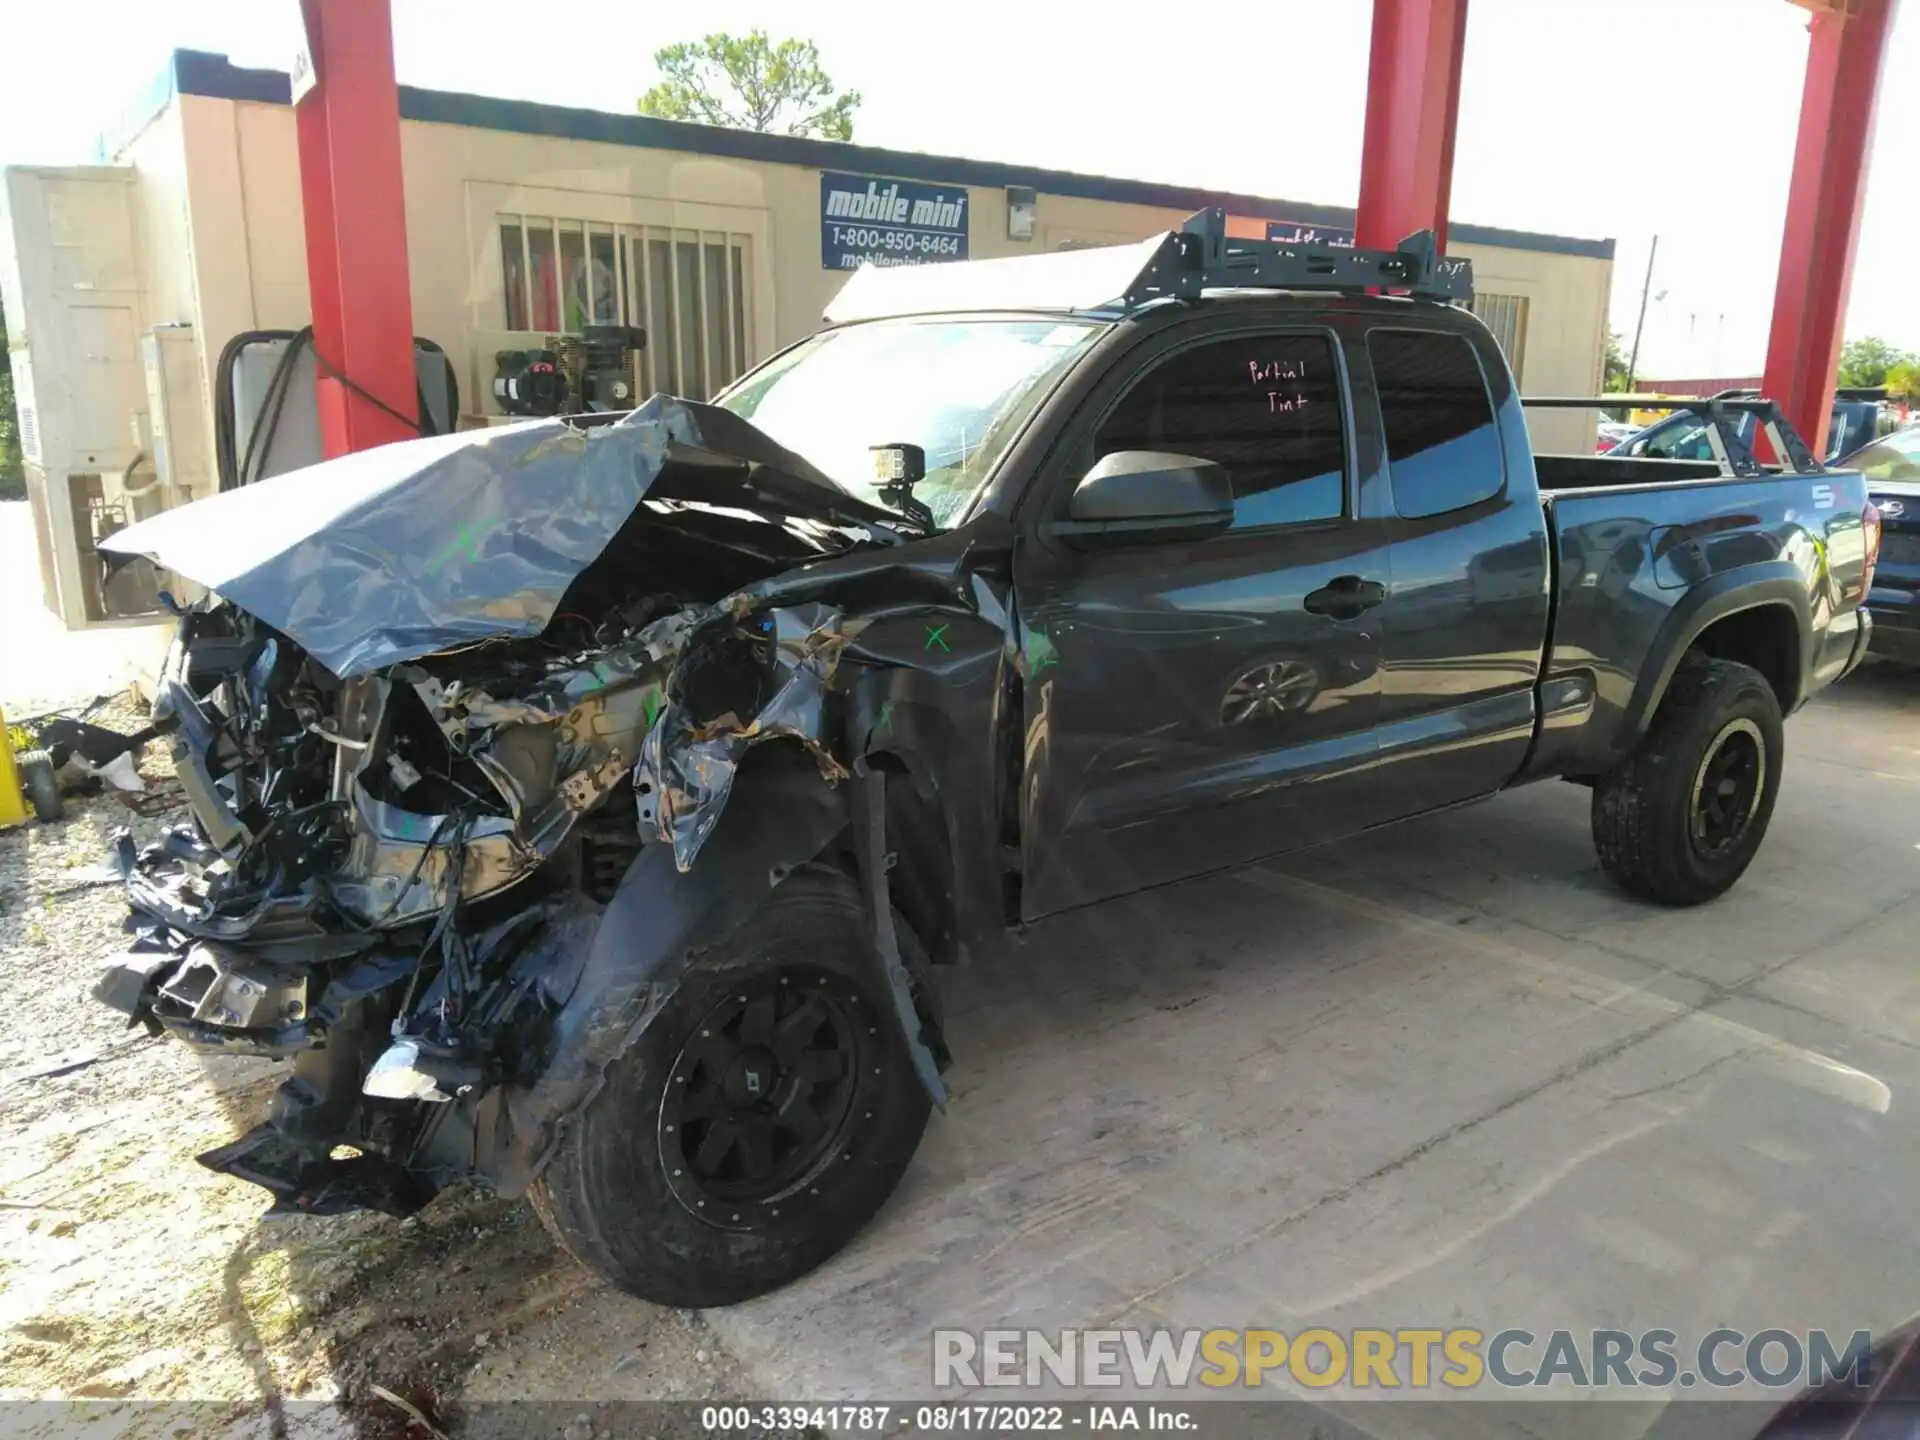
728, 1153
1680, 819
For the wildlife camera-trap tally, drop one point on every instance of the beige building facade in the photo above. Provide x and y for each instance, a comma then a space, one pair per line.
527, 221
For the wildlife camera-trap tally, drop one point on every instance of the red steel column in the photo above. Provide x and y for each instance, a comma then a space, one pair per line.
350, 187
1844, 63
1413, 108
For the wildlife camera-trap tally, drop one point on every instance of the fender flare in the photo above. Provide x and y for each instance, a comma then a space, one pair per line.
781, 815
1748, 588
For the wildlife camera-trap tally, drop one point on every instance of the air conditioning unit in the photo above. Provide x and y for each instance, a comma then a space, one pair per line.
85, 371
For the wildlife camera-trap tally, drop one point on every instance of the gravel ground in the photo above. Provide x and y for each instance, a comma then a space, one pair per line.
129, 1273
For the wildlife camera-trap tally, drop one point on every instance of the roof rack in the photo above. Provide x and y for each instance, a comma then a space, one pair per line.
1200, 255
1718, 411
1110, 280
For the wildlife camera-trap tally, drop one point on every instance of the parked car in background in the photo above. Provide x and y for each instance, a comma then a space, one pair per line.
1612, 433
1892, 468
1684, 435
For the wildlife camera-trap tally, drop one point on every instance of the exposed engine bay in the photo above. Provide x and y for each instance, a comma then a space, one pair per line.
403, 854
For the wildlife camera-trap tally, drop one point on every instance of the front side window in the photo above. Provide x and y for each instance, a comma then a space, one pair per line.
959, 389
1267, 407
1443, 447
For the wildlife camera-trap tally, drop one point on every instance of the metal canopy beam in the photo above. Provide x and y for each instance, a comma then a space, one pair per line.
355, 210
1845, 59
1413, 109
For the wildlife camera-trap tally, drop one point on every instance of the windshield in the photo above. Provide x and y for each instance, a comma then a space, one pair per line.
1897, 457
959, 389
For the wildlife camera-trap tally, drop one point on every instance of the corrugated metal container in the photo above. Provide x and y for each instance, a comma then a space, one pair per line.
1710, 386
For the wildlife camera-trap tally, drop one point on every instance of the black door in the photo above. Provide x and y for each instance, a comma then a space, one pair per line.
1195, 705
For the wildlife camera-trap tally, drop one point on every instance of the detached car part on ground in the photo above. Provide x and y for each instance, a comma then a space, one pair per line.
579, 805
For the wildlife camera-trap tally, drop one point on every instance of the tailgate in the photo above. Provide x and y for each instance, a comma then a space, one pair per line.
1896, 579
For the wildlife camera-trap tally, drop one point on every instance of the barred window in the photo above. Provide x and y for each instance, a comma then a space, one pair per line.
1506, 317
688, 288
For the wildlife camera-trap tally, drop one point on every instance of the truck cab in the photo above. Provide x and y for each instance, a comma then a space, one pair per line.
1355, 633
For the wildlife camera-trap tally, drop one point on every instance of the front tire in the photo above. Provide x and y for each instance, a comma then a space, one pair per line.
1683, 816
758, 1123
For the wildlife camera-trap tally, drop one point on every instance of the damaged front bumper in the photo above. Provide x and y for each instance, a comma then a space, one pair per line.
444, 1006
384, 875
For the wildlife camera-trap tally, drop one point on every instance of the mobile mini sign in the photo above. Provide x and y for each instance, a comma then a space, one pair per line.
871, 220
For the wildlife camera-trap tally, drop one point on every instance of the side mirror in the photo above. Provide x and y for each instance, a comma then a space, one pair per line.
1138, 495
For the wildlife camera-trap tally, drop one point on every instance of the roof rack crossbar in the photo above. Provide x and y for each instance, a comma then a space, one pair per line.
1200, 255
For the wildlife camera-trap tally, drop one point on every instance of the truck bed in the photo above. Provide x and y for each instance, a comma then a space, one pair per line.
1648, 547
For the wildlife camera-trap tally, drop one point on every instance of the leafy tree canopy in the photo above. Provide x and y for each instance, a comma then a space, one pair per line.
750, 83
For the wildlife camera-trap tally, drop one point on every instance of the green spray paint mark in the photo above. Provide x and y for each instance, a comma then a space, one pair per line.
885, 722
466, 540
1040, 653
937, 635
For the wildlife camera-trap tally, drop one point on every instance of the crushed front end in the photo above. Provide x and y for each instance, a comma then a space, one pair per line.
409, 818
373, 859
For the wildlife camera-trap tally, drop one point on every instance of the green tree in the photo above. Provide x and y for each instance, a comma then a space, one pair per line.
1866, 361
13, 478
1615, 374
1903, 381
749, 83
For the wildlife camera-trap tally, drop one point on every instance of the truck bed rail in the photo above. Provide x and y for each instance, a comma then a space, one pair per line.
1718, 411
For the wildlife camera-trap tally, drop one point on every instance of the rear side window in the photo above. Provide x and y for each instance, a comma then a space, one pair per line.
1267, 407
1443, 449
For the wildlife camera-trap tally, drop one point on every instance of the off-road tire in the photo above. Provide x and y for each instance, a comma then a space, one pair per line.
1644, 811
41, 784
607, 1196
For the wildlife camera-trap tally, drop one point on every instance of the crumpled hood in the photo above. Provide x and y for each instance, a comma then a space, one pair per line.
389, 554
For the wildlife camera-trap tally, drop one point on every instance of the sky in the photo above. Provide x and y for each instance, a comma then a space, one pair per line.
1597, 118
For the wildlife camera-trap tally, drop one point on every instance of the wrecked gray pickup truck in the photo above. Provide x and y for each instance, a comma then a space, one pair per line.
581, 804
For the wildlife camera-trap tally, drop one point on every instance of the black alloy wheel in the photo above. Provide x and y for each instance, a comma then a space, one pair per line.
1680, 819
1727, 788
766, 1093
759, 1118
